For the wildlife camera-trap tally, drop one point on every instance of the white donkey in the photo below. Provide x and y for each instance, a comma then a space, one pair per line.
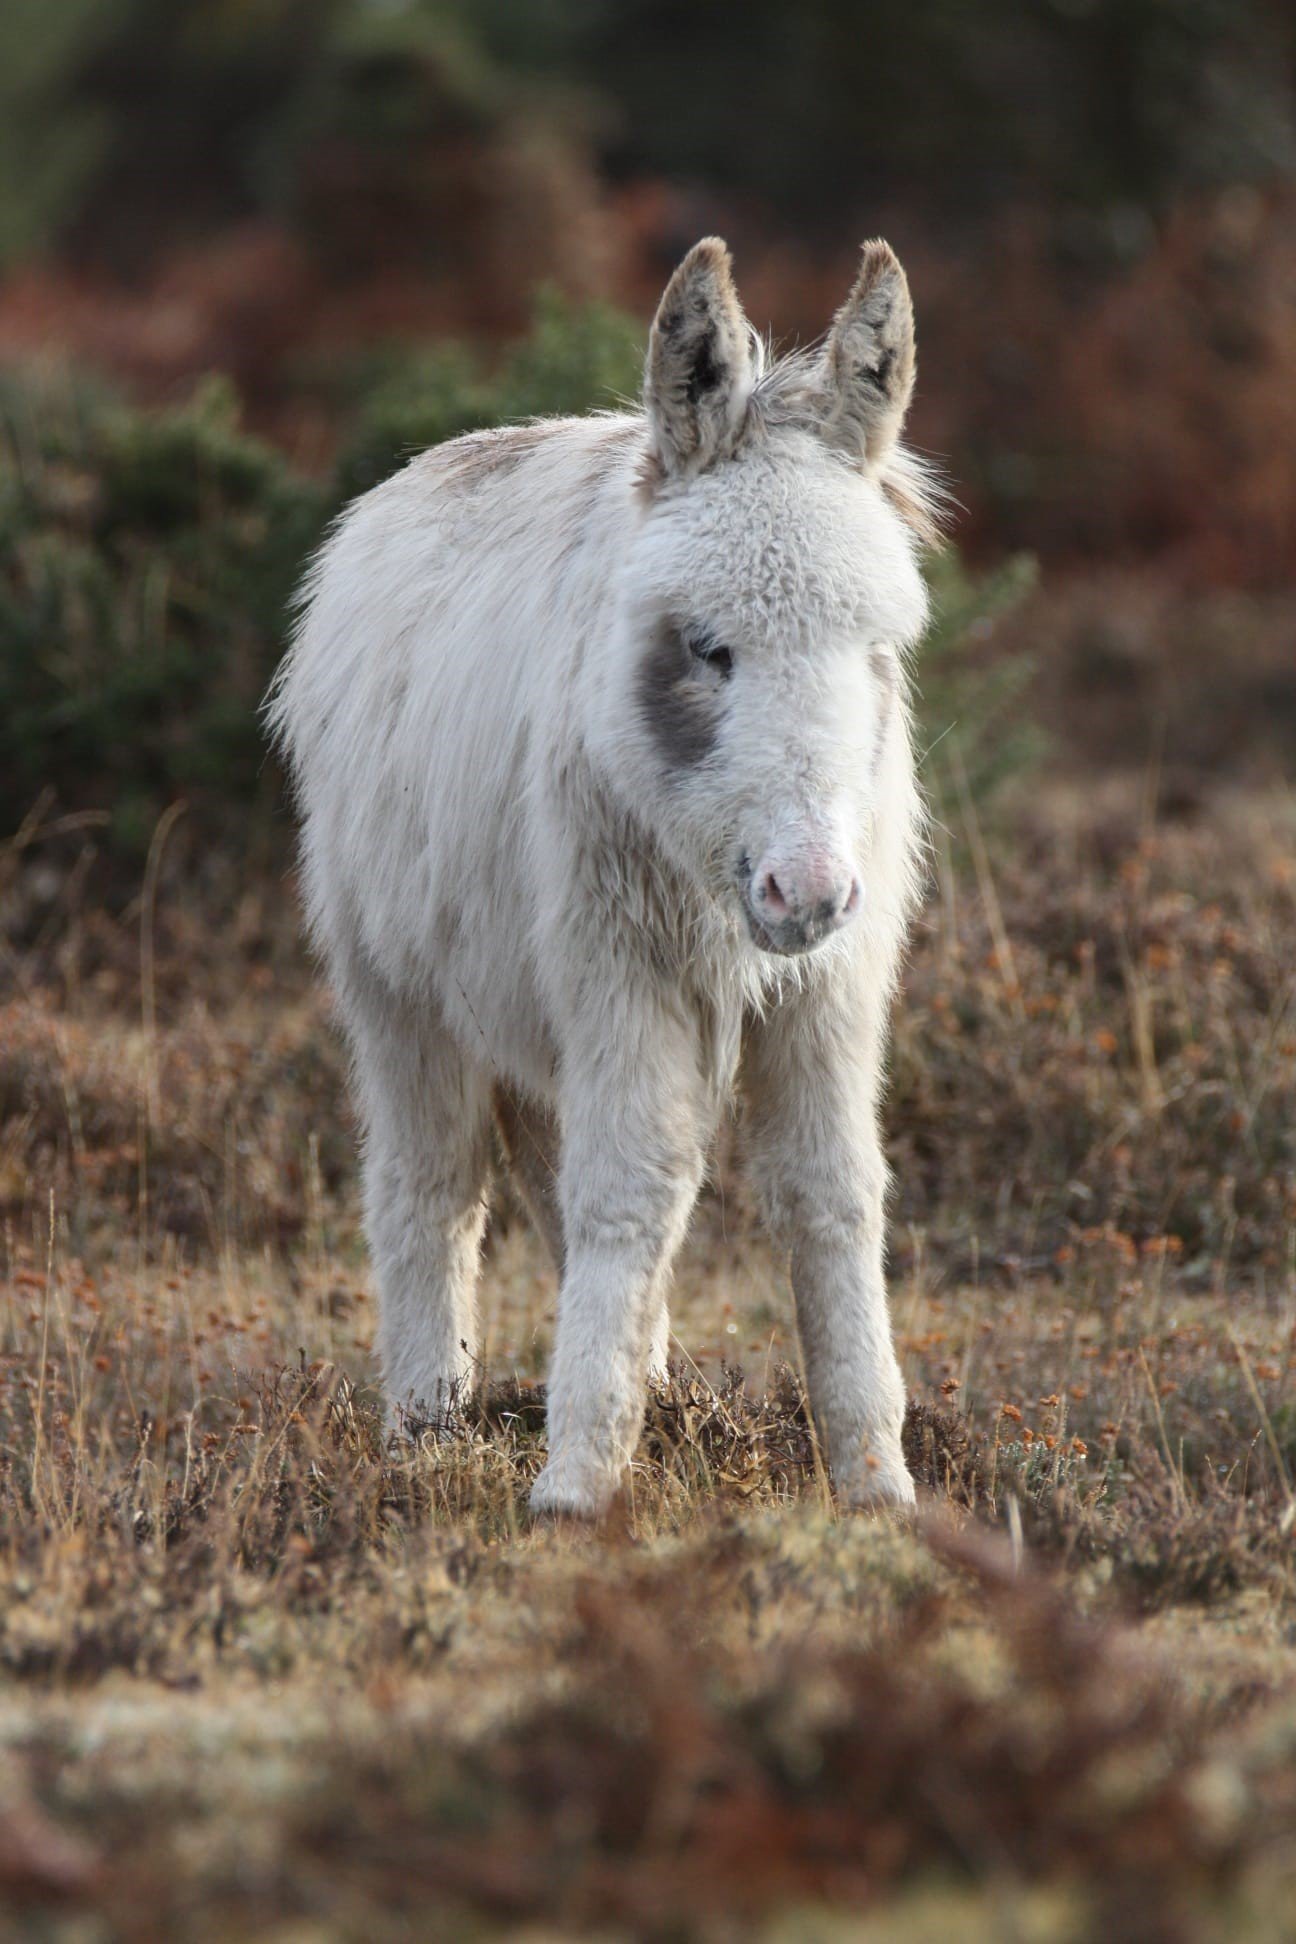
600, 735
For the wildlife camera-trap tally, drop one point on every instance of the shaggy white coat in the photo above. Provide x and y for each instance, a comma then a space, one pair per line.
534, 852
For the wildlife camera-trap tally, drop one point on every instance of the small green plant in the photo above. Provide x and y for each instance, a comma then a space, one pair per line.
971, 722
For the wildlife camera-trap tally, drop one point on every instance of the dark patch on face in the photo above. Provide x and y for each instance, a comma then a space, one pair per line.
678, 710
707, 648
706, 373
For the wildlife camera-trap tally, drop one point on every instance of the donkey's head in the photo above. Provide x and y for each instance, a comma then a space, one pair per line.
769, 590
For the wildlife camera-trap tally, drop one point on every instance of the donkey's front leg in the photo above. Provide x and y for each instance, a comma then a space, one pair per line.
811, 1072
633, 1135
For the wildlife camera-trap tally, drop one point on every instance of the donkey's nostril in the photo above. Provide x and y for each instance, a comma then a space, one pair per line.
772, 896
796, 903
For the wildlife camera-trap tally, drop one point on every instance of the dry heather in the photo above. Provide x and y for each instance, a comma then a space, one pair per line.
264, 1671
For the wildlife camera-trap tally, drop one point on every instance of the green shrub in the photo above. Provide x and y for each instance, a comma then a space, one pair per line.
146, 561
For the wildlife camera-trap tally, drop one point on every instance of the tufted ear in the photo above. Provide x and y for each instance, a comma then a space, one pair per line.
700, 368
868, 366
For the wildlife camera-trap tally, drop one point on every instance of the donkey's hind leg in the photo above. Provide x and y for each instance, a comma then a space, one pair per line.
426, 1110
530, 1138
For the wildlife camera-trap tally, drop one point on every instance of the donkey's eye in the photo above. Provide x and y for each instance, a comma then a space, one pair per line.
706, 649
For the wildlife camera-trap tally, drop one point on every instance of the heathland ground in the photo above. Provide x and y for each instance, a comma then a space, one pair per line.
265, 1672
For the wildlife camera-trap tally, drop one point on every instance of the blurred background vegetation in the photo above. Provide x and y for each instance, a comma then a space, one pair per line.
254, 252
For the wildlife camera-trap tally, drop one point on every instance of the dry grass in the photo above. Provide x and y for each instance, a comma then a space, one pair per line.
263, 1670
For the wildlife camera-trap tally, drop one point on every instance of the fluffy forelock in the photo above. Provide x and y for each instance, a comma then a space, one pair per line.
787, 391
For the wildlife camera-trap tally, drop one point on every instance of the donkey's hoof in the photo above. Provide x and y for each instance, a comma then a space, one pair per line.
878, 1488
571, 1494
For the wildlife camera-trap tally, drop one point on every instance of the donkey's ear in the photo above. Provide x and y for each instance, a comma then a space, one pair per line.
868, 362
699, 372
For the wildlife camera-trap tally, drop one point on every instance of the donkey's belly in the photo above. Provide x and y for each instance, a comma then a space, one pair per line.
490, 998
513, 1042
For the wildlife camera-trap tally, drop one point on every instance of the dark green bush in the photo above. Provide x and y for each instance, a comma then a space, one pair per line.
146, 560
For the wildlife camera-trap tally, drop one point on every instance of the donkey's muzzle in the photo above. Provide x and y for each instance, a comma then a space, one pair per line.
795, 908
